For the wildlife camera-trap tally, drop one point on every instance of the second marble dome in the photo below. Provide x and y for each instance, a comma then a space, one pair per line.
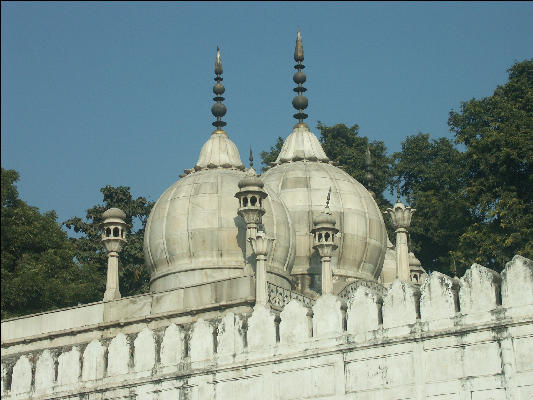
302, 177
194, 234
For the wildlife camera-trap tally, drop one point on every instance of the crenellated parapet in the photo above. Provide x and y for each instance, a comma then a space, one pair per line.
480, 325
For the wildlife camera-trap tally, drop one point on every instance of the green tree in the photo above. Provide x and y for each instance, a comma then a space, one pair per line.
497, 132
345, 146
431, 174
270, 156
38, 268
89, 250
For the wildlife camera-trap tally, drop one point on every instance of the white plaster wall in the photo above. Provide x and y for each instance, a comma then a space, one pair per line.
172, 346
93, 361
144, 354
484, 354
44, 372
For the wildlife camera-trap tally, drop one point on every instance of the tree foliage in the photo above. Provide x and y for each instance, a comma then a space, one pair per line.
431, 174
345, 146
497, 132
38, 268
270, 156
89, 250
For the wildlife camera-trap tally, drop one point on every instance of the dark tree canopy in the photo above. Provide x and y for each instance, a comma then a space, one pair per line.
38, 268
497, 132
431, 175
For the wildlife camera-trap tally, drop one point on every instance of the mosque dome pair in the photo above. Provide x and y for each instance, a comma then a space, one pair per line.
194, 234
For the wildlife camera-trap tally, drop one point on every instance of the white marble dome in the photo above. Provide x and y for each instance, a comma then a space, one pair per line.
194, 234
302, 178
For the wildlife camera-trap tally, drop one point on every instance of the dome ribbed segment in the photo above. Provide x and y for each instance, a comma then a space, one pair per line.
219, 151
301, 144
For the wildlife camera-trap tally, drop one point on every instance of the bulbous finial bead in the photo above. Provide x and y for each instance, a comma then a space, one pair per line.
300, 102
299, 77
218, 110
219, 89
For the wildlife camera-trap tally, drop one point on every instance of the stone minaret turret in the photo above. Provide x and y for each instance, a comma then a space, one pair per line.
251, 195
113, 237
401, 219
324, 232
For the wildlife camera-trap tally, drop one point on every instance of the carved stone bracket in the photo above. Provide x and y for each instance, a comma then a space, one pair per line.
279, 297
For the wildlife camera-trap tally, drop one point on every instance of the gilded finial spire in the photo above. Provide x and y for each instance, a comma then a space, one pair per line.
251, 157
328, 199
218, 109
369, 176
299, 102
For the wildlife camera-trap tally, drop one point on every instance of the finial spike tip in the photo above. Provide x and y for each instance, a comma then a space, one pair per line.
328, 198
251, 157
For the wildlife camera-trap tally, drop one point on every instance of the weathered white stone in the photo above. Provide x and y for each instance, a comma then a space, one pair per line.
21, 377
145, 392
438, 298
295, 325
261, 328
364, 308
327, 316
68, 367
400, 304
172, 346
479, 289
93, 361
44, 372
230, 338
144, 351
201, 341
169, 394
118, 357
3, 375
52, 321
517, 282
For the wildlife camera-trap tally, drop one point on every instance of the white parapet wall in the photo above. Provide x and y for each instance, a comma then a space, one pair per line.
452, 339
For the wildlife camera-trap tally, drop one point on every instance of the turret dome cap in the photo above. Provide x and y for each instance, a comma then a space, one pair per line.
413, 260
251, 180
324, 218
114, 213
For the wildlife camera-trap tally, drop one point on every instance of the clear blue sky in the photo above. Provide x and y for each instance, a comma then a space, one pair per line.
97, 94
